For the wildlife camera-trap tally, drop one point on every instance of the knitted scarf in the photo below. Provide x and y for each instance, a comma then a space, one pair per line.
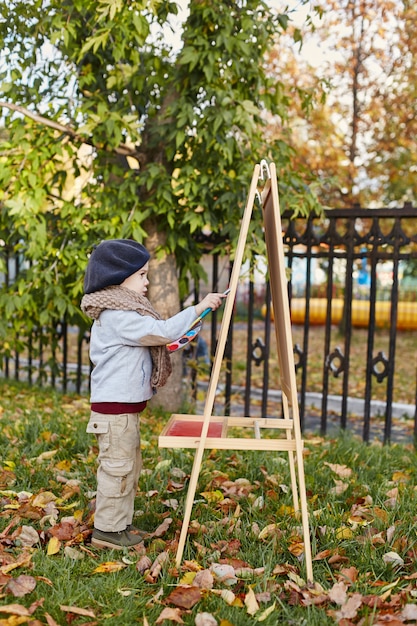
117, 298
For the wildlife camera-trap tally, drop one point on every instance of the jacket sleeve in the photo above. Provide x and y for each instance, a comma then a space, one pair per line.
142, 330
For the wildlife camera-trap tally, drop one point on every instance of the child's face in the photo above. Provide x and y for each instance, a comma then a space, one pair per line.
138, 281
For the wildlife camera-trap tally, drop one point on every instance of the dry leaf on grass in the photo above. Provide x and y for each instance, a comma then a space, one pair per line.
15, 609
21, 585
204, 579
251, 602
184, 596
76, 610
338, 593
172, 615
341, 470
108, 567
54, 546
409, 613
205, 619
27, 535
349, 610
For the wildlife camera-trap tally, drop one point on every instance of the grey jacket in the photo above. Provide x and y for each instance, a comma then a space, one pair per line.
119, 351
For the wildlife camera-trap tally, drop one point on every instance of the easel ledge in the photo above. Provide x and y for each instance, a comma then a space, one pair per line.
183, 431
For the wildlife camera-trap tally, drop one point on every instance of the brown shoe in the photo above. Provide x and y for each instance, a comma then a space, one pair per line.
114, 541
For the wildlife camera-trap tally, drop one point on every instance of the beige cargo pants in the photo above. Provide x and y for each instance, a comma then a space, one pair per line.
119, 467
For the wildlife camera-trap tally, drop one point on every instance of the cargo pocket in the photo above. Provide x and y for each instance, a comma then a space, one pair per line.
115, 477
100, 428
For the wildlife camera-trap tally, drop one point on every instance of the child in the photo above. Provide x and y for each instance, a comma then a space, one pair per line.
127, 349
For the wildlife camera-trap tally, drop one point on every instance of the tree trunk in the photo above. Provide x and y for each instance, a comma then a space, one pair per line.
164, 296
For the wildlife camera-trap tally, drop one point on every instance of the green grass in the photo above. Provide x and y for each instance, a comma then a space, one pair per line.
355, 521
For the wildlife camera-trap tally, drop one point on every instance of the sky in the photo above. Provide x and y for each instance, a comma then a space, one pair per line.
310, 50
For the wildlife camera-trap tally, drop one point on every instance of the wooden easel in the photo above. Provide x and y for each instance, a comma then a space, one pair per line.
207, 431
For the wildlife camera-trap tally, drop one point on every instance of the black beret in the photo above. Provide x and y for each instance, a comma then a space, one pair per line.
112, 261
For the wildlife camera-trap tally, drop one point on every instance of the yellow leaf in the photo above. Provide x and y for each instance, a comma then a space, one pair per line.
45, 456
213, 496
296, 579
296, 548
43, 498
356, 520
54, 546
266, 613
284, 509
268, 530
108, 567
188, 578
400, 477
67, 507
64, 466
9, 465
344, 533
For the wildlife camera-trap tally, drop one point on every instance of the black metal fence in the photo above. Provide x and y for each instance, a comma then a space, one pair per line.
352, 288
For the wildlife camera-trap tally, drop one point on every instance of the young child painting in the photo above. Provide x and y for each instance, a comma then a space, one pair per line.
130, 362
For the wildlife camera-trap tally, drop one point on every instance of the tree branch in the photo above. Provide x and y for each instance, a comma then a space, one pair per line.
121, 150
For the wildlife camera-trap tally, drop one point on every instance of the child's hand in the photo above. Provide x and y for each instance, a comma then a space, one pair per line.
211, 301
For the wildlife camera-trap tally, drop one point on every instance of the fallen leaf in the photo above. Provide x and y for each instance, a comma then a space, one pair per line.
350, 574
45, 456
205, 619
162, 528
402, 477
21, 585
266, 613
251, 602
63, 466
223, 573
212, 496
173, 615
172, 503
23, 560
73, 553
143, 564
54, 546
338, 593
322, 555
341, 470
15, 609
27, 536
63, 531
50, 620
393, 558
350, 609
409, 612
343, 532
296, 548
339, 488
226, 594
108, 567
270, 529
184, 596
203, 579
76, 610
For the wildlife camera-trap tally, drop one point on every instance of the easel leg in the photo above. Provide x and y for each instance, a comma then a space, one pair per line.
189, 505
